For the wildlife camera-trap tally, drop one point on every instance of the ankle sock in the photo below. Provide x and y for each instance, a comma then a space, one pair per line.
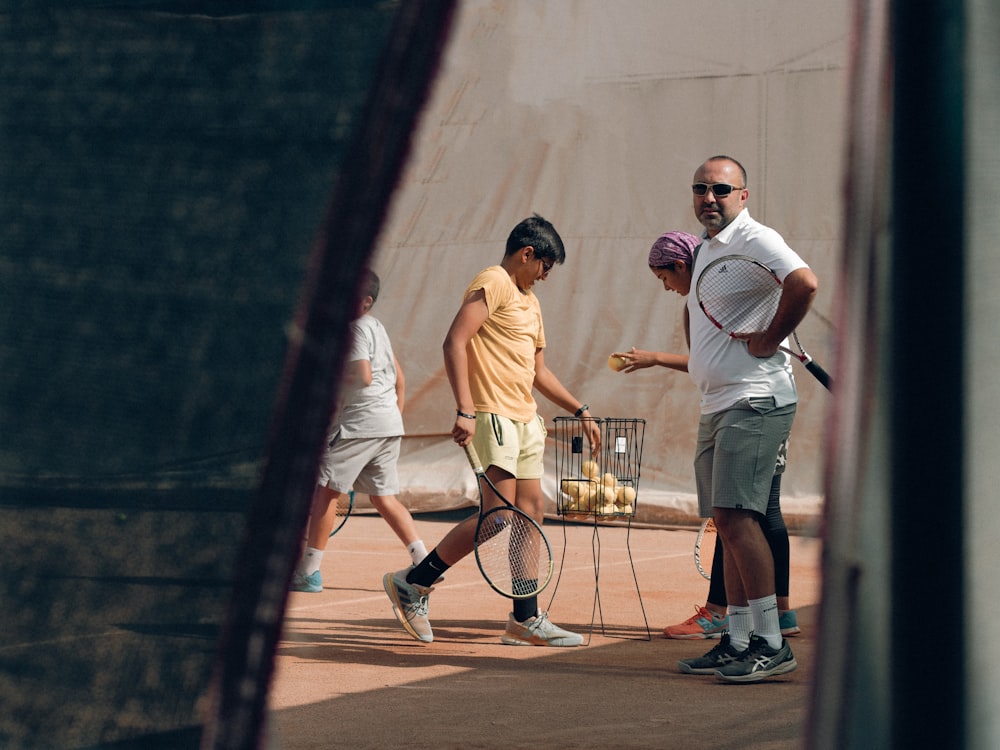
525, 608
765, 620
310, 561
740, 625
417, 551
427, 570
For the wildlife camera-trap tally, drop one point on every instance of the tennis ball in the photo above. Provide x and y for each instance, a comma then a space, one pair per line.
590, 469
627, 509
617, 363
625, 495
571, 487
610, 481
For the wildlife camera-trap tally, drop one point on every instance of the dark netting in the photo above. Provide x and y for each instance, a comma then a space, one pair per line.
165, 176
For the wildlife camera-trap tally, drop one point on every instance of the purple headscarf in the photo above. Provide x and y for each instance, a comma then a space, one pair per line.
671, 247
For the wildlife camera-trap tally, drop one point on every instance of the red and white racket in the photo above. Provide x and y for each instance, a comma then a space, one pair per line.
740, 295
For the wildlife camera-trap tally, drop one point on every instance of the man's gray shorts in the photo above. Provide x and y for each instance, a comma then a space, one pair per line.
737, 449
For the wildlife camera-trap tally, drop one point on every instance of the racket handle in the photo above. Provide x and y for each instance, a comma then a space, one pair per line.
474, 462
819, 373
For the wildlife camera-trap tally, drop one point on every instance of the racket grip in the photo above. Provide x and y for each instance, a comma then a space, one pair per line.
474, 462
819, 373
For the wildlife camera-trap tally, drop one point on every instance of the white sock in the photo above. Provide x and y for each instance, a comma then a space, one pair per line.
310, 561
765, 619
740, 626
417, 551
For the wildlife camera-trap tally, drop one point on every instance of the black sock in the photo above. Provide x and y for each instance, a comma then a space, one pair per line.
525, 608
428, 571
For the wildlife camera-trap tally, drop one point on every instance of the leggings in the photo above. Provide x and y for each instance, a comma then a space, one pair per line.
776, 533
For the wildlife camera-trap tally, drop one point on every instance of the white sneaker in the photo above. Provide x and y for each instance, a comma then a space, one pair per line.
409, 604
538, 631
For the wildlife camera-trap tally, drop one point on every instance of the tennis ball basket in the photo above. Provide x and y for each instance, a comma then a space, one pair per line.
603, 486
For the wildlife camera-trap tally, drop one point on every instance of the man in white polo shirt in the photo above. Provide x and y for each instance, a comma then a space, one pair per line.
748, 401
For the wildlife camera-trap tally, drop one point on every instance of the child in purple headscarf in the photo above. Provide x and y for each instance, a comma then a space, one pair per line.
670, 259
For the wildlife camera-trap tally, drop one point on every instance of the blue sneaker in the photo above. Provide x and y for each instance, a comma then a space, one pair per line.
310, 584
789, 623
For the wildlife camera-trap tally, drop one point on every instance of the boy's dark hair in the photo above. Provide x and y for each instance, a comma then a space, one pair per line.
369, 285
539, 234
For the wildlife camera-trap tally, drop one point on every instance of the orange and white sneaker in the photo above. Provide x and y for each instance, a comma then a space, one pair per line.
703, 624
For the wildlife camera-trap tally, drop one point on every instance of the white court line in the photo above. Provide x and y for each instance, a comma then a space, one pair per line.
469, 584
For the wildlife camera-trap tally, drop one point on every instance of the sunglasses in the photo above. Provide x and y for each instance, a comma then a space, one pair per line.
719, 189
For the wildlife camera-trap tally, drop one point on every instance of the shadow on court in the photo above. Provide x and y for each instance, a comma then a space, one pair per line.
349, 676
112, 618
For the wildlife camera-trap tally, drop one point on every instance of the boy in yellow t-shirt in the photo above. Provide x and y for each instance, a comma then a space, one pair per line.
494, 357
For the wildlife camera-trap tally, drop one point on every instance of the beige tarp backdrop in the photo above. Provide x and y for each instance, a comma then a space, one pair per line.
595, 114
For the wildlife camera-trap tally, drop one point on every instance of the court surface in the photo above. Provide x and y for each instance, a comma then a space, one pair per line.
347, 675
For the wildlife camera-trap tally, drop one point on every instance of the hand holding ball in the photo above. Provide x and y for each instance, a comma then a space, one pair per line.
617, 363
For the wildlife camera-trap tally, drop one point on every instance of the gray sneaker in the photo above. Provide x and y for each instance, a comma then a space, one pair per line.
538, 631
722, 653
759, 662
409, 604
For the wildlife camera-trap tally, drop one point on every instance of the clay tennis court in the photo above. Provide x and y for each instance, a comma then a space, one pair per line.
347, 675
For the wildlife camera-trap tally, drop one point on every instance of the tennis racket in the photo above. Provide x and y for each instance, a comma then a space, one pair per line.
512, 551
705, 541
345, 504
740, 296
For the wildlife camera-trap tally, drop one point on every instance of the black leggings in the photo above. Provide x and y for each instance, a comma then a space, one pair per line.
776, 533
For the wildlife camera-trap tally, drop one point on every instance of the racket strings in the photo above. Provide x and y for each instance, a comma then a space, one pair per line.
511, 552
740, 296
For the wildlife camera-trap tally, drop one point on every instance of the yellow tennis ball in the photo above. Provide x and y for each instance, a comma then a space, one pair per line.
571, 487
590, 469
617, 363
625, 495
609, 481
627, 509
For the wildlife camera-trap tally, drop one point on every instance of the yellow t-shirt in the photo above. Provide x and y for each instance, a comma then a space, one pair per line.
502, 353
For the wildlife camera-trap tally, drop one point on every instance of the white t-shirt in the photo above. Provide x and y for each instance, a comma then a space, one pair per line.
721, 367
371, 411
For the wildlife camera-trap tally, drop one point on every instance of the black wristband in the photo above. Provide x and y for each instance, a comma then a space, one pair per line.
581, 410
461, 413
